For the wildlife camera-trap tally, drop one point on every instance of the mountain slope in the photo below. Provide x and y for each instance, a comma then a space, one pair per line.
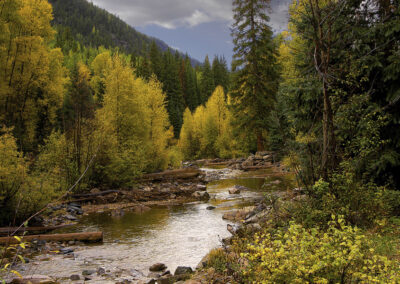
93, 26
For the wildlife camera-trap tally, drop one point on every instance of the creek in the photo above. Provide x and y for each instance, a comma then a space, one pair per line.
179, 235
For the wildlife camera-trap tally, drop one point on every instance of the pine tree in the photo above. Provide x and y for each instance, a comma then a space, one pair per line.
155, 60
192, 100
255, 64
172, 87
207, 85
220, 73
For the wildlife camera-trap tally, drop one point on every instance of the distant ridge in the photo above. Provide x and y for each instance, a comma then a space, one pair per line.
93, 26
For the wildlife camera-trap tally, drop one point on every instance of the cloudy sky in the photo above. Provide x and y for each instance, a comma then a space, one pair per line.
198, 27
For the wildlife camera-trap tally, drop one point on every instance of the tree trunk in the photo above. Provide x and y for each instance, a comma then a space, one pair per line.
92, 237
260, 142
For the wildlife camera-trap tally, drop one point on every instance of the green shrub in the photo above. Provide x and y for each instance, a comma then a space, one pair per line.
341, 254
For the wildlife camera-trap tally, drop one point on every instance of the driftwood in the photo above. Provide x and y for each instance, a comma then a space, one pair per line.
92, 237
87, 195
9, 230
252, 168
173, 174
218, 163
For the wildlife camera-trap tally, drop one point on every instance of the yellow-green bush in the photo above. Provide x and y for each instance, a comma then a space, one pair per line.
341, 254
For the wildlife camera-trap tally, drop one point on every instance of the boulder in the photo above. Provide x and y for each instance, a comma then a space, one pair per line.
260, 216
157, 267
234, 190
183, 270
202, 195
211, 207
238, 215
34, 279
168, 279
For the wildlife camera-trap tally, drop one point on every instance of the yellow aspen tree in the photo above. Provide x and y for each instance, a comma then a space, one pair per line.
160, 130
122, 127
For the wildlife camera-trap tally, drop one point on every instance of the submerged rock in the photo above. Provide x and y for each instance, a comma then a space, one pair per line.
75, 277
88, 272
211, 207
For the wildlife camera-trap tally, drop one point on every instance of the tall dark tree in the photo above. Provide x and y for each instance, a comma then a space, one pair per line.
192, 99
155, 59
220, 72
172, 87
207, 84
255, 66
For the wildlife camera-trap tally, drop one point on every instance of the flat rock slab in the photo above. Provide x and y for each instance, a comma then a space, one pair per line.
34, 279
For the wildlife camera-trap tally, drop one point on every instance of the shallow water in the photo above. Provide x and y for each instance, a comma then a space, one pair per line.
174, 235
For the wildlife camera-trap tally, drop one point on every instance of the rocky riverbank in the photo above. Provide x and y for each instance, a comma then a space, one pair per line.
141, 199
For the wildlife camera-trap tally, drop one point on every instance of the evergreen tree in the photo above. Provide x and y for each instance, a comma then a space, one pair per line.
192, 100
255, 64
221, 73
207, 85
155, 59
172, 87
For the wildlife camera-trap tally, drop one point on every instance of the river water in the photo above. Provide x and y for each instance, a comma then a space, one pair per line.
174, 235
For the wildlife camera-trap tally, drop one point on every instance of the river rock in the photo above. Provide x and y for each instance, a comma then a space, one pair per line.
157, 267
34, 279
211, 207
202, 195
70, 217
75, 277
168, 279
201, 187
183, 270
66, 250
154, 275
233, 229
238, 215
260, 216
88, 272
234, 190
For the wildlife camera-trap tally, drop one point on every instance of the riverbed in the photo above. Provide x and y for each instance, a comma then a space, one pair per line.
179, 235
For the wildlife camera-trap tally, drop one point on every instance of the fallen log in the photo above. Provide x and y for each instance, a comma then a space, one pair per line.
10, 230
217, 164
173, 174
252, 168
90, 237
95, 194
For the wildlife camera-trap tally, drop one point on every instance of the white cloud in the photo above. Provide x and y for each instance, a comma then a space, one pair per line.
173, 14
